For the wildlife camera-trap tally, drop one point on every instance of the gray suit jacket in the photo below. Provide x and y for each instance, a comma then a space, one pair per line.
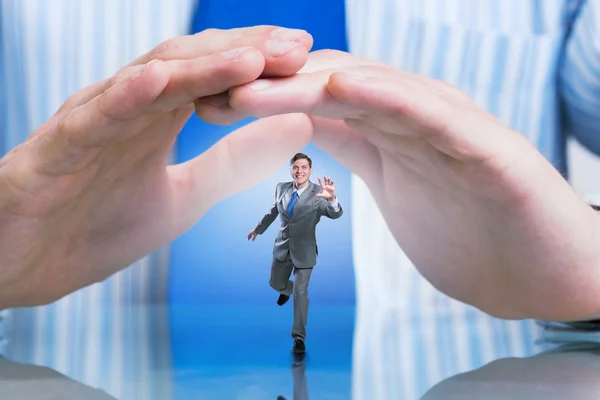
297, 234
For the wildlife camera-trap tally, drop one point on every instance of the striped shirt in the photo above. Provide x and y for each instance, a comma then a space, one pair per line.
532, 63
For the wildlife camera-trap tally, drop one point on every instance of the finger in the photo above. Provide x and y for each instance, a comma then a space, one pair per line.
451, 124
112, 114
263, 98
348, 147
211, 41
277, 32
285, 50
168, 85
235, 163
304, 93
334, 60
217, 100
307, 93
216, 110
86, 94
208, 76
320, 183
77, 138
89, 93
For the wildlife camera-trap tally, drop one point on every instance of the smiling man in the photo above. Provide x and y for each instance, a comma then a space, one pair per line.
300, 204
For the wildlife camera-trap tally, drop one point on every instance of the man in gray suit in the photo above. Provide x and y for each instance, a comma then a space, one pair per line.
300, 205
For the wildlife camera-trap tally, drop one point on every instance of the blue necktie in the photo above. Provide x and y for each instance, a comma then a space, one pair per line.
290, 207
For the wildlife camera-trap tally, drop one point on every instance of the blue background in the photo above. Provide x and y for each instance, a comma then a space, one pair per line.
222, 309
214, 262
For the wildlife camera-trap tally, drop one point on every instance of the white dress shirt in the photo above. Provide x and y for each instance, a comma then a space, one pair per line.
288, 197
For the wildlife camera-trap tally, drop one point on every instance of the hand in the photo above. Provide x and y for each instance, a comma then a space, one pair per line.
89, 192
482, 215
252, 236
327, 189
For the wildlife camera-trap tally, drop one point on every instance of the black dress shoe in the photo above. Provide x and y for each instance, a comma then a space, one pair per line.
282, 299
299, 346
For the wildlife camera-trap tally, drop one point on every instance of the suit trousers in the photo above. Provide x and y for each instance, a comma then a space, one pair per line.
280, 281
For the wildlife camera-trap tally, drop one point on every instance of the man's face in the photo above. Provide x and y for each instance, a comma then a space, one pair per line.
301, 171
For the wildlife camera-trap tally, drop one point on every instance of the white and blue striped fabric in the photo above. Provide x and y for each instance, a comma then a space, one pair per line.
580, 76
532, 63
49, 50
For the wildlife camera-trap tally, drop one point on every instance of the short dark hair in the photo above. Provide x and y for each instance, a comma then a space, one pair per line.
300, 156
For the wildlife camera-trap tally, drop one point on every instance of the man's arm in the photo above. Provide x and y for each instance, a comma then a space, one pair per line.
327, 201
579, 77
330, 209
269, 217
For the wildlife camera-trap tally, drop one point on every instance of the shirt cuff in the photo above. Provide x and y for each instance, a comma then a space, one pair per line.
334, 203
593, 200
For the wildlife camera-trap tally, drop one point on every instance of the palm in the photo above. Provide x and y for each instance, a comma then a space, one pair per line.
327, 191
134, 198
327, 188
432, 201
446, 176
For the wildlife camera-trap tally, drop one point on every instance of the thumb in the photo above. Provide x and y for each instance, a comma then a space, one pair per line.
223, 170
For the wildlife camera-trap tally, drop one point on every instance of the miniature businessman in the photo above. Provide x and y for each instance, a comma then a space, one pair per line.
300, 205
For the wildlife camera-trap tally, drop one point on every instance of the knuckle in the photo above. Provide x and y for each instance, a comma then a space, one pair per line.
71, 102
65, 125
120, 75
330, 54
162, 51
209, 34
209, 31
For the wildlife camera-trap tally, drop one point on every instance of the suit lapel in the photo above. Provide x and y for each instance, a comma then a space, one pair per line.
284, 189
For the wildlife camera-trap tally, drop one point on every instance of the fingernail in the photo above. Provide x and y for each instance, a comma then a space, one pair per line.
287, 34
259, 85
277, 48
234, 54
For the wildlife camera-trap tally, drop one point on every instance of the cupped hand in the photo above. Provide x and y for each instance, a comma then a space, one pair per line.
480, 212
90, 192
